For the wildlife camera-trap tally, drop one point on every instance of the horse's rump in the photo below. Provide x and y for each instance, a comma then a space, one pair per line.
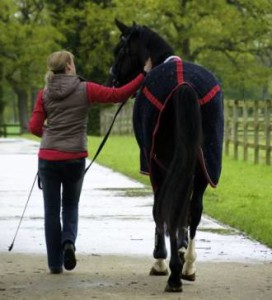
149, 106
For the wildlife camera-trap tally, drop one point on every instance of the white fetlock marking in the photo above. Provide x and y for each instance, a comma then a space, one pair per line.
182, 250
160, 265
190, 258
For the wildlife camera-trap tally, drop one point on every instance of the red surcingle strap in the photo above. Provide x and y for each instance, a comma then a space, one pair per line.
210, 95
152, 99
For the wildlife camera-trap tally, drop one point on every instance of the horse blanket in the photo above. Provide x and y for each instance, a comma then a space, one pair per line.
150, 104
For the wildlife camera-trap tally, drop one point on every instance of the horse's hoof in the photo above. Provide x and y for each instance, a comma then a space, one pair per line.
191, 277
154, 272
159, 268
173, 289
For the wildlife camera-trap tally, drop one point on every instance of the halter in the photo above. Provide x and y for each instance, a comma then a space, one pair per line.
124, 50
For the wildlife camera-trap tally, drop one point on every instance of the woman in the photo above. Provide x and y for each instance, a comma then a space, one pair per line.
60, 118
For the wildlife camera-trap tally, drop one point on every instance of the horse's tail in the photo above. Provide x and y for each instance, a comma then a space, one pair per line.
173, 201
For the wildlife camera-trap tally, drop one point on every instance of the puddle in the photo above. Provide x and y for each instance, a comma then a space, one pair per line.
129, 192
224, 231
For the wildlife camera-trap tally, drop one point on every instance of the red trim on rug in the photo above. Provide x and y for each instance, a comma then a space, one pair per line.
180, 78
210, 95
152, 99
201, 160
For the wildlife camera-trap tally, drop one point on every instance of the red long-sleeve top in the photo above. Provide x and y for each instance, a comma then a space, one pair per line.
96, 93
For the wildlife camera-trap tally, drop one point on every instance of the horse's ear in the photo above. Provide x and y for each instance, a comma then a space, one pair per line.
121, 26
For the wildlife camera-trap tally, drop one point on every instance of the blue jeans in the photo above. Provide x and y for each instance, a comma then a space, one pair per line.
61, 183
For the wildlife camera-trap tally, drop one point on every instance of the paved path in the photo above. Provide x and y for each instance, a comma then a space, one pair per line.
111, 221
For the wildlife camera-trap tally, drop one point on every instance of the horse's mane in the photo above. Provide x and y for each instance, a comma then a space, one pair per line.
159, 49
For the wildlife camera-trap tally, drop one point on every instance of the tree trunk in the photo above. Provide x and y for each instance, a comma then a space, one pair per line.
2, 103
23, 111
22, 94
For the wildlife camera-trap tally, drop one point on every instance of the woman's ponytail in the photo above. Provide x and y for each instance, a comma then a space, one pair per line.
56, 63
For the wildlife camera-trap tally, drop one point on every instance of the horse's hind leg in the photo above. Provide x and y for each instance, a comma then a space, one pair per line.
189, 269
174, 283
159, 268
182, 242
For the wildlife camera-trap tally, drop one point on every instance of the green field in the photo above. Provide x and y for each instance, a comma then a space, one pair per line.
243, 198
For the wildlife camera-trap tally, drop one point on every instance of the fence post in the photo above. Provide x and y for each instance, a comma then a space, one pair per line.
5, 130
245, 128
256, 132
268, 132
235, 121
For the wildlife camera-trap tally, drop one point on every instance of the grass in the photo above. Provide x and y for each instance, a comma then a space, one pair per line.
243, 198
120, 153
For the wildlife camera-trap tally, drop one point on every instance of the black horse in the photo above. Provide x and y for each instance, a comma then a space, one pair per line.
178, 124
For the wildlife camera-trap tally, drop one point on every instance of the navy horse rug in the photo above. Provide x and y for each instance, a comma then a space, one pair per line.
149, 115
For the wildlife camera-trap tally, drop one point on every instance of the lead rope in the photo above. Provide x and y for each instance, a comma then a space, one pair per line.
105, 137
86, 170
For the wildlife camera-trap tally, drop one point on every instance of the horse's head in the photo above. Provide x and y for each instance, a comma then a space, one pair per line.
136, 44
129, 54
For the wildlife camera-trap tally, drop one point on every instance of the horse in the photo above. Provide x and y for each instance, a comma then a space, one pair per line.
178, 124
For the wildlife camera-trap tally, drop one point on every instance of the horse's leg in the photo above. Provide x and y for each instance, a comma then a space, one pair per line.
174, 283
182, 242
159, 268
189, 269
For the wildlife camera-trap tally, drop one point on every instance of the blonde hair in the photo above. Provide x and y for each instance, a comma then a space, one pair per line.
56, 63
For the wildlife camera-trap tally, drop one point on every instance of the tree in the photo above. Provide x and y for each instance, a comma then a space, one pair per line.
26, 41
2, 102
255, 45
4, 7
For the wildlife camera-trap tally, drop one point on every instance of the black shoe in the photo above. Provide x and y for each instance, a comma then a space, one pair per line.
69, 258
56, 270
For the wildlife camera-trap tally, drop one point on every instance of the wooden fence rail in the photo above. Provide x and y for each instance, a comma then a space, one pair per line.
247, 128
10, 130
123, 123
